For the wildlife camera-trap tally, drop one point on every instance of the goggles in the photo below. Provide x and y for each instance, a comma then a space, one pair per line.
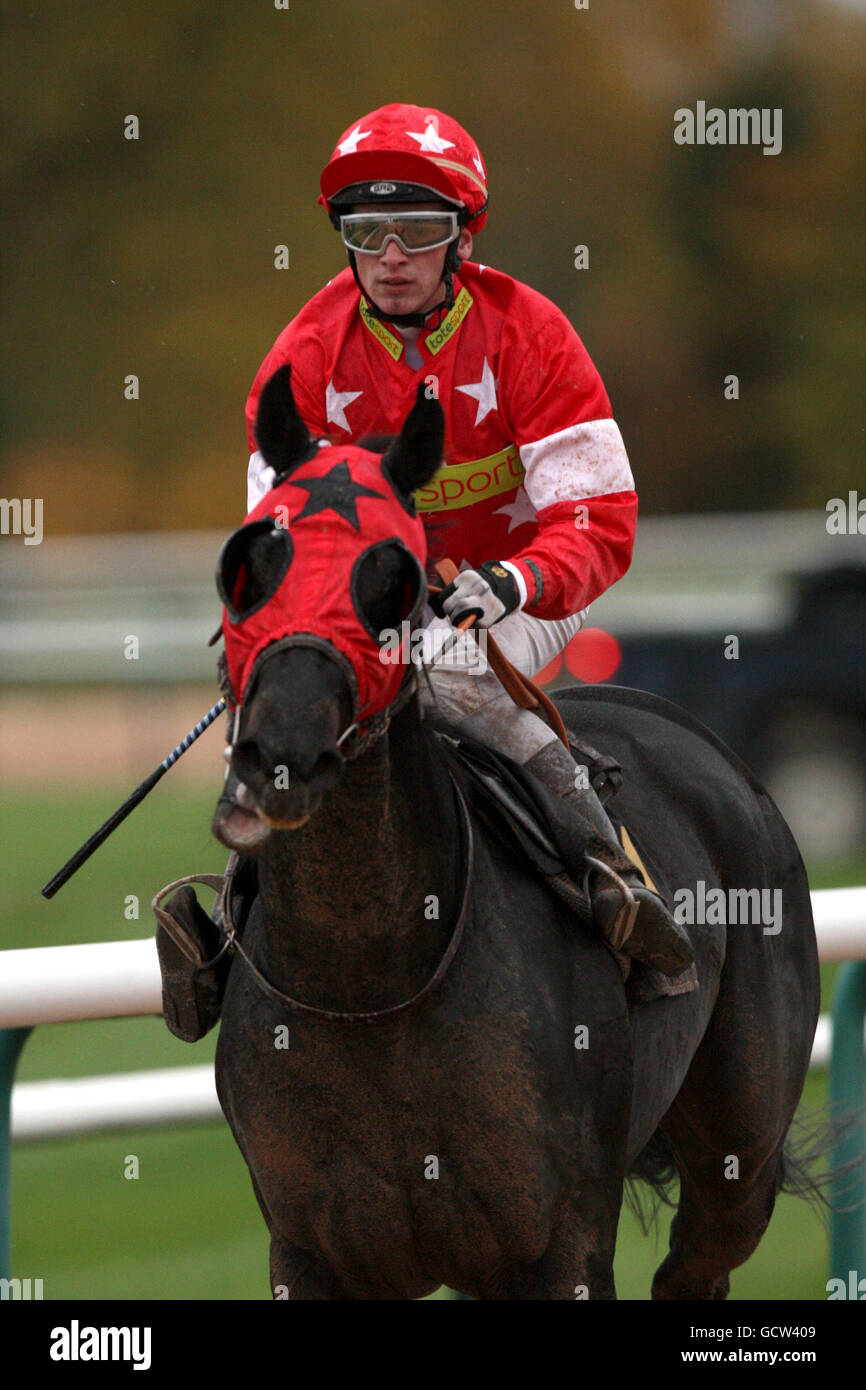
370, 232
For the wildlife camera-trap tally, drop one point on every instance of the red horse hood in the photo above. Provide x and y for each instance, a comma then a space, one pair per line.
322, 524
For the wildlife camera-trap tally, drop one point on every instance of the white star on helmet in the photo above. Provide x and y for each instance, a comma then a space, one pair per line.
431, 140
350, 144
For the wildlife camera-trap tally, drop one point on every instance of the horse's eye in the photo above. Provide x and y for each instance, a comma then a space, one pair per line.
386, 587
251, 567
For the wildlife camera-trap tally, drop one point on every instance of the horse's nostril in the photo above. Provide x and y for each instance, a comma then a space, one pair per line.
246, 760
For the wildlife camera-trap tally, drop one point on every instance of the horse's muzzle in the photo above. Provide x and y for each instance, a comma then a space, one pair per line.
285, 758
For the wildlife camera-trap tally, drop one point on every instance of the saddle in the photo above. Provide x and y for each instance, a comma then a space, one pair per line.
525, 814
531, 821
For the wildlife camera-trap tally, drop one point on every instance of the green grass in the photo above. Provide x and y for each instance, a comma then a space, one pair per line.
188, 1227
166, 837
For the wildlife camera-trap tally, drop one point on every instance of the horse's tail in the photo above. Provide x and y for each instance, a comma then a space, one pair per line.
803, 1168
655, 1166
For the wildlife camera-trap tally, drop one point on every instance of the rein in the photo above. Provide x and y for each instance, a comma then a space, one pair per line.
232, 943
522, 689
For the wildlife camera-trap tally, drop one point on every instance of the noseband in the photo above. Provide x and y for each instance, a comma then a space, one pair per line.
361, 733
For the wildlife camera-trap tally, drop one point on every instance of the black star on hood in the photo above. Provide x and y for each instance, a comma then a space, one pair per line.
334, 492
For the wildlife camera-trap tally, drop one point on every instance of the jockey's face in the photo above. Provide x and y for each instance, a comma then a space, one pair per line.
401, 283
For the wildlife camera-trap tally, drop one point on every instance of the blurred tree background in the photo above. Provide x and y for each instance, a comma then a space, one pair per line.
156, 256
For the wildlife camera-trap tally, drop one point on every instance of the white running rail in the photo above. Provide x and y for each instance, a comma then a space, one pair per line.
59, 984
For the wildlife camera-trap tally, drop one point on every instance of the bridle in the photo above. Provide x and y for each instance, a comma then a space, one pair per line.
361, 733
364, 733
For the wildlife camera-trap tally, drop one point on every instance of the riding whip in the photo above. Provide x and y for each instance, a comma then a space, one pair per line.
99, 836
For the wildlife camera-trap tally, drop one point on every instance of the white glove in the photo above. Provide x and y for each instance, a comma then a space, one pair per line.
490, 592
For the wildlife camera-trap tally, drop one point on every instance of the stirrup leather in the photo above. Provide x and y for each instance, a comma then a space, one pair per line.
623, 925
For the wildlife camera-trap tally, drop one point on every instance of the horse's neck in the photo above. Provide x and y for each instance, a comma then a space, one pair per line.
358, 905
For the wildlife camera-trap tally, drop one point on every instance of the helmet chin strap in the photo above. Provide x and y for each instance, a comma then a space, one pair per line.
452, 264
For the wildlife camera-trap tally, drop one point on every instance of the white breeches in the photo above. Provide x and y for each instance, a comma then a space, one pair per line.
468, 694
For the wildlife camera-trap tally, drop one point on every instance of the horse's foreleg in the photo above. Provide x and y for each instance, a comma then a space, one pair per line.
578, 1262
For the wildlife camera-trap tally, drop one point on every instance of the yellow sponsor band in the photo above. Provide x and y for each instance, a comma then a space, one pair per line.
388, 339
457, 485
451, 322
435, 340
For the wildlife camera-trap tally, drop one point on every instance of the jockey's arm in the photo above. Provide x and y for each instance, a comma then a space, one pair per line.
577, 477
260, 477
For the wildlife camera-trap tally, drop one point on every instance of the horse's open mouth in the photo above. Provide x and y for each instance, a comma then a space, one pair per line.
242, 824
239, 829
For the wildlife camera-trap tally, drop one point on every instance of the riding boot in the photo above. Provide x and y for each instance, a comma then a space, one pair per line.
630, 916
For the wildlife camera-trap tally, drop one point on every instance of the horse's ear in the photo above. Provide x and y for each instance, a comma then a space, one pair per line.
282, 436
416, 453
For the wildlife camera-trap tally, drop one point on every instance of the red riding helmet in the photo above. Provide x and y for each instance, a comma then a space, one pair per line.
406, 153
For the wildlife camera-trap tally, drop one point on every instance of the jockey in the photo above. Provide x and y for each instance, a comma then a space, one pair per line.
535, 500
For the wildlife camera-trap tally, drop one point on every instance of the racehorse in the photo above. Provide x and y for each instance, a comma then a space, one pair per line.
434, 1070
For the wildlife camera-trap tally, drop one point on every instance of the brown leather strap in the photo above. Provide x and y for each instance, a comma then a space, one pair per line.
522, 689
189, 948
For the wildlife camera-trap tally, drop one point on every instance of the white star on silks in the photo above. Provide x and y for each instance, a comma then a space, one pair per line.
431, 140
518, 511
350, 144
335, 405
483, 391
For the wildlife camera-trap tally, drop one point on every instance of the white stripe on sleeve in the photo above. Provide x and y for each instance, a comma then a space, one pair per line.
585, 460
260, 479
518, 579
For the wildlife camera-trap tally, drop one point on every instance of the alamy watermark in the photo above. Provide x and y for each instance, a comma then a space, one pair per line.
20, 1289
22, 516
854, 1289
736, 126
846, 516
731, 907
77, 1343
400, 646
